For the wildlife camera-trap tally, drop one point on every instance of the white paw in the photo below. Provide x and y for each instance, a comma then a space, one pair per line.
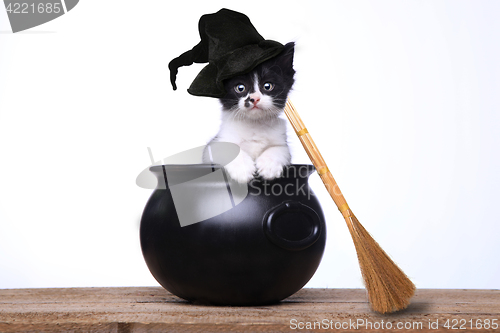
269, 168
241, 169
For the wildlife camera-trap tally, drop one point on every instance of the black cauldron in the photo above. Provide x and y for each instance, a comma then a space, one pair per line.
259, 251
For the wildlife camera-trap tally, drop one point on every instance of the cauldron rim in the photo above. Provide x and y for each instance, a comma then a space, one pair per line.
159, 169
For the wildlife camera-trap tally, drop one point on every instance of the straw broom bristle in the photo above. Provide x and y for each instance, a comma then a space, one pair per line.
389, 289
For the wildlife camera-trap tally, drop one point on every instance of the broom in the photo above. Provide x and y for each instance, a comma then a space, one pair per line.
389, 289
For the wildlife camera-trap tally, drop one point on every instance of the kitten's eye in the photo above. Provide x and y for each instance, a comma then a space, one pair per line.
240, 88
268, 86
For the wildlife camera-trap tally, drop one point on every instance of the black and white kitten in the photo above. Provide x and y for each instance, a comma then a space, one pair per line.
250, 118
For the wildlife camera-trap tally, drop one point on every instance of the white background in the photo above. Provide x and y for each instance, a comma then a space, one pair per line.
402, 98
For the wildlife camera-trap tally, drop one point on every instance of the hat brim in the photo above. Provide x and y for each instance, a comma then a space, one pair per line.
210, 81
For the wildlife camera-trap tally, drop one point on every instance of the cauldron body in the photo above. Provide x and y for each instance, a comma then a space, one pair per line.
261, 251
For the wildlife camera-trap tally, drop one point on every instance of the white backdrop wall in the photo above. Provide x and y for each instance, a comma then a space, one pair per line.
402, 98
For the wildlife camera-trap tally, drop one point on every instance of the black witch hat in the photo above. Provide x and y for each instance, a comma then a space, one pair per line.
231, 45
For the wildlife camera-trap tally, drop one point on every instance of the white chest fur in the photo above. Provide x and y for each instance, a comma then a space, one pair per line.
253, 137
263, 148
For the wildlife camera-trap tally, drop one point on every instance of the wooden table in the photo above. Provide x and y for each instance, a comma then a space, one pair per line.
152, 309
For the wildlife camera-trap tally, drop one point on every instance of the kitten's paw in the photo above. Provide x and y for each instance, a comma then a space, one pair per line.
241, 170
269, 168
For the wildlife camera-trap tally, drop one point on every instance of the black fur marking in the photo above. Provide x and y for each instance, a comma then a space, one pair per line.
247, 101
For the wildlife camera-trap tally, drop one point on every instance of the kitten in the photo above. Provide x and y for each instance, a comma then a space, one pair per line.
250, 119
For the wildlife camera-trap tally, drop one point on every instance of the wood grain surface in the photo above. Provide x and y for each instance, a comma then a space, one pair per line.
152, 309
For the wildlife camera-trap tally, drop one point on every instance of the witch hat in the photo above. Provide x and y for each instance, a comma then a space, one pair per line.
231, 45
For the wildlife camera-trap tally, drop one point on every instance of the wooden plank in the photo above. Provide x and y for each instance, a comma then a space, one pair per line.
152, 309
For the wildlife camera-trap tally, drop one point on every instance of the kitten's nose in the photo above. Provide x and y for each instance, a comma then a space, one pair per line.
254, 99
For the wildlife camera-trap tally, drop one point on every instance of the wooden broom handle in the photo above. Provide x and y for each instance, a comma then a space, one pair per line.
316, 158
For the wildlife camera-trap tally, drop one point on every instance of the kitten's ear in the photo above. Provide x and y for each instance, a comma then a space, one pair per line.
285, 58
